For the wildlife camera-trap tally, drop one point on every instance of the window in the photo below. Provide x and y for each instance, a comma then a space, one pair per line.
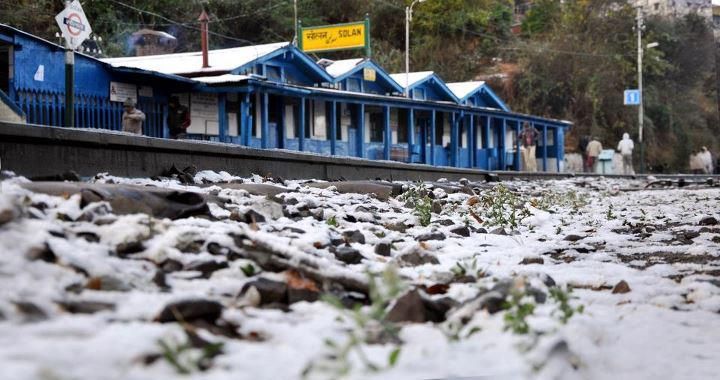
402, 130
273, 73
353, 84
418, 93
376, 127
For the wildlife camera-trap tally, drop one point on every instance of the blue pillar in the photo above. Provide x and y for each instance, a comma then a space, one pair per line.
361, 130
222, 117
433, 136
333, 126
411, 132
518, 157
301, 125
265, 131
471, 140
386, 132
486, 133
503, 145
454, 126
245, 120
544, 137
560, 146
281, 130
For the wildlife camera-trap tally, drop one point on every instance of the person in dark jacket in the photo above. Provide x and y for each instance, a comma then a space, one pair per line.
178, 119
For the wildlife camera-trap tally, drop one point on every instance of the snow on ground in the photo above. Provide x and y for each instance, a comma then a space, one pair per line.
85, 291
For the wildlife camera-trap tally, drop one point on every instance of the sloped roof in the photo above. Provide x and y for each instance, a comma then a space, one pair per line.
463, 90
342, 67
221, 79
410, 79
191, 63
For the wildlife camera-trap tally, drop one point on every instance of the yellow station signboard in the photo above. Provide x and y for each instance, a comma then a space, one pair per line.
335, 37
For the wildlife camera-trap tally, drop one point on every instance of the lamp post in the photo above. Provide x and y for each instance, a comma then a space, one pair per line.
641, 108
408, 18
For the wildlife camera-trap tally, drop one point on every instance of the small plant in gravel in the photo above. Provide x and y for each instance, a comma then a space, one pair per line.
609, 214
185, 358
368, 327
550, 201
417, 198
467, 267
503, 207
332, 221
562, 297
518, 307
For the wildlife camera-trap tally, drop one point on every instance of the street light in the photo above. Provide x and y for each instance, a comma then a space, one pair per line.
408, 18
641, 108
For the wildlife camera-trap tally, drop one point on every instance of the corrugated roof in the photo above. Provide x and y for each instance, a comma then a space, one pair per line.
410, 79
463, 89
341, 67
190, 63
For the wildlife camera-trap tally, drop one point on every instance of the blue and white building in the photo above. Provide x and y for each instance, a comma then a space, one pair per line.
275, 96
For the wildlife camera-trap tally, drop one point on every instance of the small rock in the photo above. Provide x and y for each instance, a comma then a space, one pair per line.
499, 231
43, 253
160, 280
573, 238
354, 237
689, 235
437, 207
30, 311
6, 216
270, 291
461, 230
397, 227
621, 287
706, 221
348, 255
415, 258
85, 307
383, 249
170, 265
532, 260
252, 216
189, 310
128, 248
435, 235
547, 280
408, 308
445, 222
206, 267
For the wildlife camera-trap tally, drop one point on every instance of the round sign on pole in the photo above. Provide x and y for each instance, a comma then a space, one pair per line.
73, 24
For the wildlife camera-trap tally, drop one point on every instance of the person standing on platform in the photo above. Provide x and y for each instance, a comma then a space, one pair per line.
178, 119
706, 160
593, 150
528, 139
132, 118
625, 147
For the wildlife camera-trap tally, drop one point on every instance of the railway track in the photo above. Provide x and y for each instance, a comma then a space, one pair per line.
39, 151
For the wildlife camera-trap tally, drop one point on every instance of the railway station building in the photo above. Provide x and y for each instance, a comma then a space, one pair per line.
275, 96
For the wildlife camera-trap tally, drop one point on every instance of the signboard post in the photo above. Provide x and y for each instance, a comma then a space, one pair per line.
354, 35
75, 29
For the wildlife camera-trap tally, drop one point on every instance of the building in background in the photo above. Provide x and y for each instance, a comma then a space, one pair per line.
677, 8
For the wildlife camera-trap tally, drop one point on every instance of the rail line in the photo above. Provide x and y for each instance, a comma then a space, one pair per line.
39, 151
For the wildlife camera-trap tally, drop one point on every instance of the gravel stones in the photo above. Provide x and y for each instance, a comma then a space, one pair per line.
190, 310
434, 235
463, 231
621, 287
353, 237
415, 258
706, 221
383, 249
348, 255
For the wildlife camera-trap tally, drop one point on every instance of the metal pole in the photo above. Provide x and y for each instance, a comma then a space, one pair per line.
69, 81
295, 25
408, 14
641, 110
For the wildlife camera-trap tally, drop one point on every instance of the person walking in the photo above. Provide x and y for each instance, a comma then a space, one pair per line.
706, 161
528, 140
132, 118
593, 150
583, 143
178, 119
625, 147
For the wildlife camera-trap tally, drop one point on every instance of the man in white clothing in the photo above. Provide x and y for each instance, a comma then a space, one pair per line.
706, 160
625, 147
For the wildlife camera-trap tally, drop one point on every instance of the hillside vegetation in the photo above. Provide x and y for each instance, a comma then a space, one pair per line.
571, 61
